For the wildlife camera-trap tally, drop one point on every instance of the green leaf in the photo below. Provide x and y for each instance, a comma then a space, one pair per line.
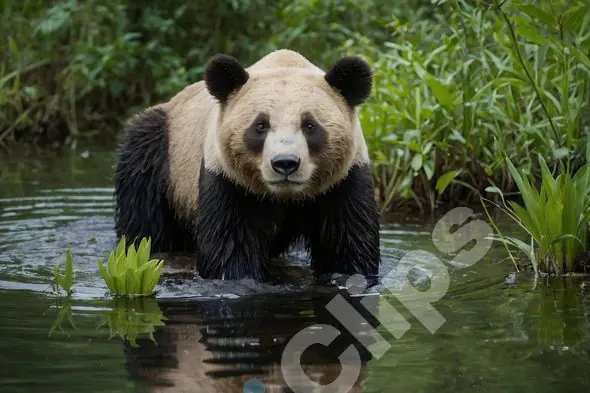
441, 92
417, 162
155, 277
146, 271
69, 271
106, 277
121, 247
573, 17
112, 263
581, 56
561, 152
537, 13
533, 35
443, 182
131, 262
428, 169
121, 284
143, 252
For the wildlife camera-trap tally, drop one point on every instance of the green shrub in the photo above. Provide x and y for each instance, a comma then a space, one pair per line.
79, 68
454, 96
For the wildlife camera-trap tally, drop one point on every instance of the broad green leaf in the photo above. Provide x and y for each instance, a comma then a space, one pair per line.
417, 162
112, 263
443, 182
131, 260
143, 252
121, 284
146, 271
533, 35
537, 13
155, 277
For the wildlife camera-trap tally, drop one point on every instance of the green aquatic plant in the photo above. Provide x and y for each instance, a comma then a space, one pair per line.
132, 318
130, 272
66, 279
555, 217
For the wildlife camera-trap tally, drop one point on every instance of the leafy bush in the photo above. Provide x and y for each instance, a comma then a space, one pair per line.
79, 68
454, 96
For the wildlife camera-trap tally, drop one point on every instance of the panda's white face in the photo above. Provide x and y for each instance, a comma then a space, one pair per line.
286, 165
289, 131
286, 135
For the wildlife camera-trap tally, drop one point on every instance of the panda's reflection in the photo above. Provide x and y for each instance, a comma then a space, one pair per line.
217, 345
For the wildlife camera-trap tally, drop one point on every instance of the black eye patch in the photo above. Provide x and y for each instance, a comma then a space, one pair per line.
315, 134
256, 133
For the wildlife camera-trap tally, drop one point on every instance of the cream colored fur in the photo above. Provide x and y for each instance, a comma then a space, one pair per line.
284, 84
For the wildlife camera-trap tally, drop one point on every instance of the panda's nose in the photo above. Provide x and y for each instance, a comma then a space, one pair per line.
285, 164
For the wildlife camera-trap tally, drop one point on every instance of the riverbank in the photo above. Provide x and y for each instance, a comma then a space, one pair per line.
459, 87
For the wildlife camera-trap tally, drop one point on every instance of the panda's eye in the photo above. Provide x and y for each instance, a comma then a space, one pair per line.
261, 126
308, 126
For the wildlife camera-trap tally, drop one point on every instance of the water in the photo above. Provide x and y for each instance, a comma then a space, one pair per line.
498, 334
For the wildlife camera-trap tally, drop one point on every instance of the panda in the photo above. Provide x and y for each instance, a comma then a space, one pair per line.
238, 167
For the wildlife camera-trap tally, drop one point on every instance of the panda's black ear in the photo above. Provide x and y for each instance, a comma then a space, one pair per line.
224, 75
352, 77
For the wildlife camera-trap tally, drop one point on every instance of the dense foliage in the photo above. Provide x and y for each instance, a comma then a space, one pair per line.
460, 85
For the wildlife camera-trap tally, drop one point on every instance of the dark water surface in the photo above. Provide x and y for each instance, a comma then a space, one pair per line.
212, 336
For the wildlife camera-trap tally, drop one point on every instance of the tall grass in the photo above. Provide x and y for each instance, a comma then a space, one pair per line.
556, 217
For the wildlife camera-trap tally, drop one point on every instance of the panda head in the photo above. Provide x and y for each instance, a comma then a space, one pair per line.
286, 131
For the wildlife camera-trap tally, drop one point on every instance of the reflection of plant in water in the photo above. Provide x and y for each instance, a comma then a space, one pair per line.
64, 311
557, 316
131, 318
561, 322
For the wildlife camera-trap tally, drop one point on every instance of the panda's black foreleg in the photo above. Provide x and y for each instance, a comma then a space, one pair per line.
343, 228
141, 179
232, 230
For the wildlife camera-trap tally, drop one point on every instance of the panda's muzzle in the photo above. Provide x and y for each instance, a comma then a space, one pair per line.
285, 164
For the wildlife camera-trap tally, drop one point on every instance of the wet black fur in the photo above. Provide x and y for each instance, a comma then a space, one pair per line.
141, 186
238, 233
352, 77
